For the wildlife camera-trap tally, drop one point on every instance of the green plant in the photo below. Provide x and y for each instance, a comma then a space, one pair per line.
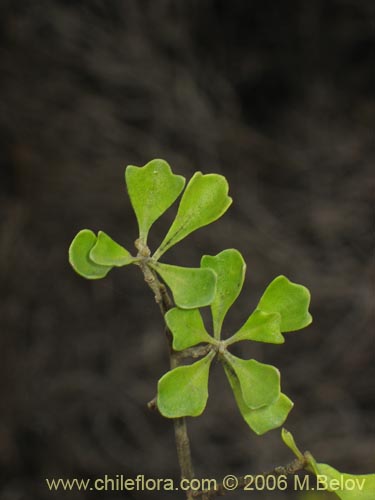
283, 307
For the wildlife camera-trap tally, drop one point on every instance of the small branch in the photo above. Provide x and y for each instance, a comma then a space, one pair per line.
152, 405
166, 300
180, 429
291, 468
165, 303
194, 352
242, 481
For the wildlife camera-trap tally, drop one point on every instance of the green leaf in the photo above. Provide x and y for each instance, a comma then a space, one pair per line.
263, 419
187, 328
288, 439
346, 486
230, 268
183, 392
205, 199
107, 252
312, 466
290, 300
152, 190
260, 327
191, 287
79, 258
260, 383
269, 417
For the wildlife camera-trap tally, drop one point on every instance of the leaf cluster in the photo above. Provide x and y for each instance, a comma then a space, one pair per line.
283, 307
152, 190
218, 281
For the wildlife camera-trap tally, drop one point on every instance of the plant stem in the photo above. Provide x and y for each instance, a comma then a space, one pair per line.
297, 465
180, 428
165, 303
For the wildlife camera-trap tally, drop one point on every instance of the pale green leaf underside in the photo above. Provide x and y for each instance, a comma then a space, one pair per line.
183, 392
288, 299
347, 486
191, 287
187, 328
205, 199
230, 268
107, 252
263, 419
269, 417
260, 383
152, 190
260, 327
79, 256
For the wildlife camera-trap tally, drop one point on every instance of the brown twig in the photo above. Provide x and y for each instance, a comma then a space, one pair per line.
241, 481
194, 352
165, 303
180, 429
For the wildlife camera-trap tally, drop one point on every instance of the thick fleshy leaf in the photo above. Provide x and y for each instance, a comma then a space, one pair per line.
288, 439
191, 287
269, 417
345, 486
288, 299
152, 190
107, 252
183, 392
263, 419
230, 268
260, 383
205, 199
187, 328
79, 256
260, 327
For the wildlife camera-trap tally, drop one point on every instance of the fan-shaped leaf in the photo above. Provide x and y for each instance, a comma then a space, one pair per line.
261, 327
260, 383
263, 419
230, 268
79, 256
191, 287
187, 328
183, 391
205, 199
152, 190
288, 299
107, 252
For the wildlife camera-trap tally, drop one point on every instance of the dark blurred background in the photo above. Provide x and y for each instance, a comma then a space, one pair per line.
274, 95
